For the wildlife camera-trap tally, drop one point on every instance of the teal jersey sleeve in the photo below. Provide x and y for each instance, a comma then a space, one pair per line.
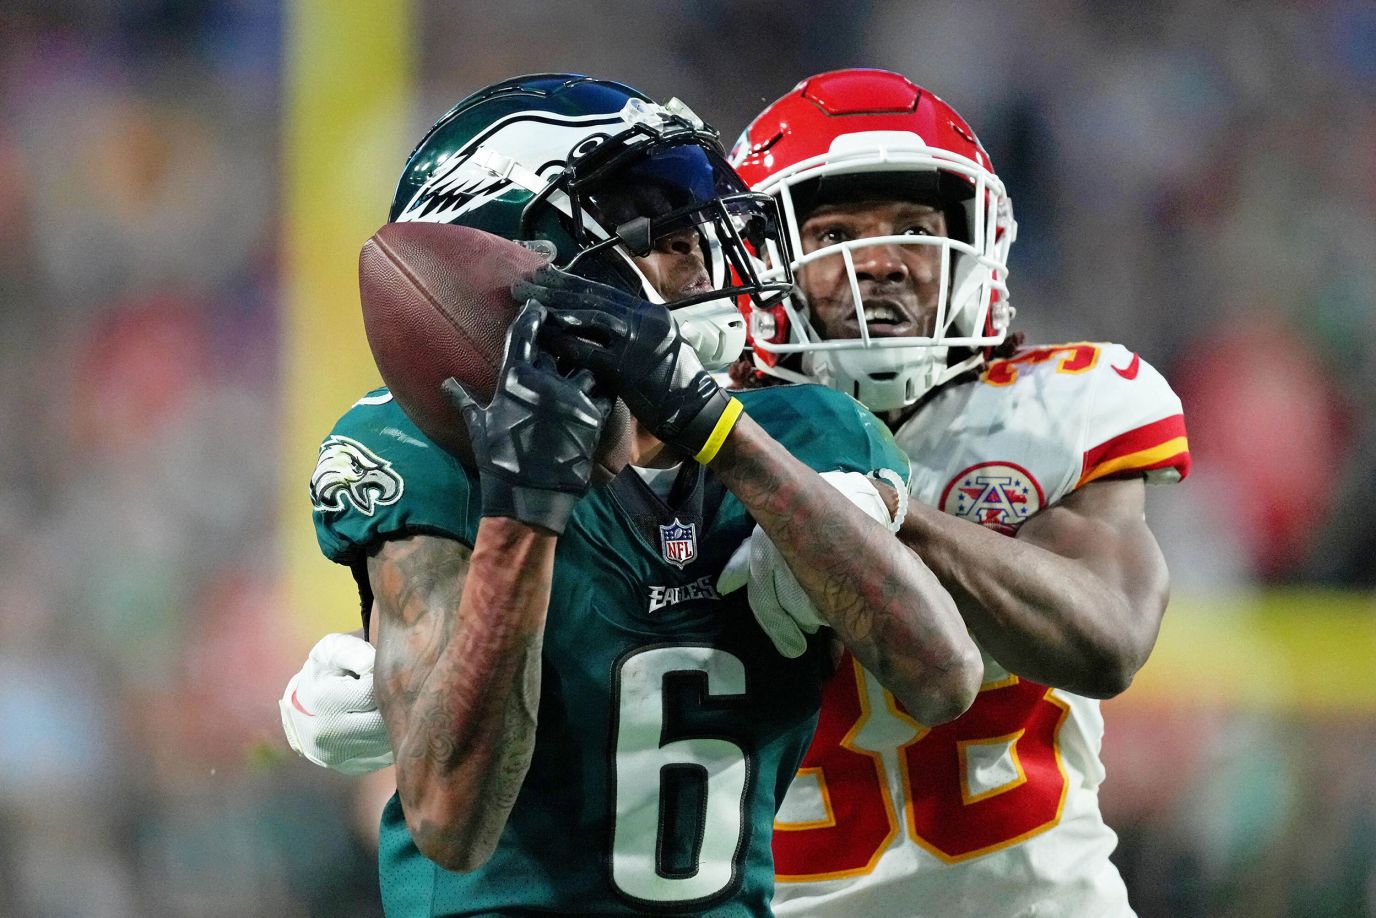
825, 429
379, 477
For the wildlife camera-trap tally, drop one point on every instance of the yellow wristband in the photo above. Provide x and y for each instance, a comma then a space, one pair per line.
723, 427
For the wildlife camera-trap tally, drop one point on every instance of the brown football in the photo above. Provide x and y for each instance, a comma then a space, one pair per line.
437, 303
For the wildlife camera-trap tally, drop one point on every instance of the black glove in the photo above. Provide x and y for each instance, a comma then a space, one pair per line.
634, 348
535, 440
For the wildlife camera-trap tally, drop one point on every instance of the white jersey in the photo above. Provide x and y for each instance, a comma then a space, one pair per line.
997, 812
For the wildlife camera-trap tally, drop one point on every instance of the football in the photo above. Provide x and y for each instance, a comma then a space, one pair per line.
437, 303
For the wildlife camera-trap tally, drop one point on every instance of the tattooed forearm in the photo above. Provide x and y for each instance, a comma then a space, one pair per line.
883, 602
458, 678
410, 578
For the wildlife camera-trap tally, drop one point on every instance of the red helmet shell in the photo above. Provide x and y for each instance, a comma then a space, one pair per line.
806, 121
867, 121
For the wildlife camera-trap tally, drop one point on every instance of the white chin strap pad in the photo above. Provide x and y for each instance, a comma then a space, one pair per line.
882, 379
715, 330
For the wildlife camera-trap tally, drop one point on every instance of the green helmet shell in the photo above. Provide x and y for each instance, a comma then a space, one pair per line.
597, 172
540, 124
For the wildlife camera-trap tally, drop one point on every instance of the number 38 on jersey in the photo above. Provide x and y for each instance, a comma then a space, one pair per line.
989, 779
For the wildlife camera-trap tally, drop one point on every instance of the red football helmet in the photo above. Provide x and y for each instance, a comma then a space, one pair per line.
871, 135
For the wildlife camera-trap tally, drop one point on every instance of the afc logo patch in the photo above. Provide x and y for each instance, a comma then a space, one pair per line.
678, 543
999, 495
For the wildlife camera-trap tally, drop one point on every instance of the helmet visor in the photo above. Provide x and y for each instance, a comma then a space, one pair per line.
673, 197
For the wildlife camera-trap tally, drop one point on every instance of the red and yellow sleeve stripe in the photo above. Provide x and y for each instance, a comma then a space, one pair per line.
1159, 445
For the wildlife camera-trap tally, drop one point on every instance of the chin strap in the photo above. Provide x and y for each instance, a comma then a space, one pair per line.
974, 361
503, 166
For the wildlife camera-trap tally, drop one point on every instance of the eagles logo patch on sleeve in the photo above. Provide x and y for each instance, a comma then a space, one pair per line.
349, 471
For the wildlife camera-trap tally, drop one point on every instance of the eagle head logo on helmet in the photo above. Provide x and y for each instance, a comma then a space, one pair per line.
596, 174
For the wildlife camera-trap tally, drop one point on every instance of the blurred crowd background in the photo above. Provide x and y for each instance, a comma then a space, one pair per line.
1194, 178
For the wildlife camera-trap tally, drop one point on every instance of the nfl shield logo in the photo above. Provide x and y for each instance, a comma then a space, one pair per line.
679, 543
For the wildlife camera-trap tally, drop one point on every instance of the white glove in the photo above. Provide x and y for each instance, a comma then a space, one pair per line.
779, 603
328, 710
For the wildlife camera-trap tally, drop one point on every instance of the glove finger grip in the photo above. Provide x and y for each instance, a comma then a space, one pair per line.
584, 354
457, 394
521, 337
525, 290
567, 300
557, 279
343, 653
605, 325
584, 381
544, 362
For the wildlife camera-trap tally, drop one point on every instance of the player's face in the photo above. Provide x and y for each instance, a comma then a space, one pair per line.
676, 266
899, 284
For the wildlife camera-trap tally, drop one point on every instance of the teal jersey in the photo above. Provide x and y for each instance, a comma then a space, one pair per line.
669, 728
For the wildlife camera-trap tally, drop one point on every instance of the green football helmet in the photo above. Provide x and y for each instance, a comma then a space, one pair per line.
595, 174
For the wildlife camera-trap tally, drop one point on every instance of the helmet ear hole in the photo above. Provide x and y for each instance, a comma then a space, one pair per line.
542, 247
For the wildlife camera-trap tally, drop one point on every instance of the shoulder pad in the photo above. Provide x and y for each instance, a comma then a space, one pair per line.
1131, 419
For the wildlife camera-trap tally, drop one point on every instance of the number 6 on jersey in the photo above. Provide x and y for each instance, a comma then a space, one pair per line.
680, 824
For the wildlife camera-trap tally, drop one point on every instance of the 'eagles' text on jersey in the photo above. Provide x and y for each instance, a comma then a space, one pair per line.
995, 813
669, 728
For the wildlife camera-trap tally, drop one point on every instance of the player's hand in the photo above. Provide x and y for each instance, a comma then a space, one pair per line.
328, 711
634, 347
779, 603
534, 442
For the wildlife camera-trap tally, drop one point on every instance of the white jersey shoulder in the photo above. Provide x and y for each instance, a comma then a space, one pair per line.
1034, 427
